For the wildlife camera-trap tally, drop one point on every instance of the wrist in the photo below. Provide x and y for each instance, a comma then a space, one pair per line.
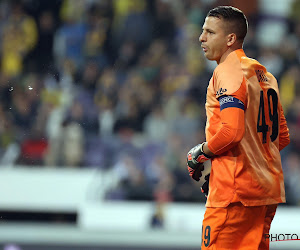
199, 155
206, 150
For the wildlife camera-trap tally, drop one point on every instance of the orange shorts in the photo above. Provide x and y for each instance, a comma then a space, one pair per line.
237, 227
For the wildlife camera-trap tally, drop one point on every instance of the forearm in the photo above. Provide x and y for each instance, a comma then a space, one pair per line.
231, 132
224, 140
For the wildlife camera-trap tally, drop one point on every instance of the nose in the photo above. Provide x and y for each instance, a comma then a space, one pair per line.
201, 38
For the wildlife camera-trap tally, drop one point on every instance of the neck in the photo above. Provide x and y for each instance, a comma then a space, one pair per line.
227, 52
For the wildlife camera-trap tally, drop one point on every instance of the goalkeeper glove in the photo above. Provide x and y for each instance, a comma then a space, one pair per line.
196, 171
196, 154
205, 186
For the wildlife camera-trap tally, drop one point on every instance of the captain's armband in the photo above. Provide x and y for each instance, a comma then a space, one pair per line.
227, 101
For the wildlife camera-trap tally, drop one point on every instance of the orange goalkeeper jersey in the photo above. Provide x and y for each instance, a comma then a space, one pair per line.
243, 97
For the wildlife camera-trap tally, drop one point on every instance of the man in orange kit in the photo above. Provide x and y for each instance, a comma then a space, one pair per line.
245, 130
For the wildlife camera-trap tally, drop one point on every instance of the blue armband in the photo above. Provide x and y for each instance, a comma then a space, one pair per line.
227, 101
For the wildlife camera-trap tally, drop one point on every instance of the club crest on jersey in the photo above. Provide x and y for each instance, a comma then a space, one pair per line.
220, 92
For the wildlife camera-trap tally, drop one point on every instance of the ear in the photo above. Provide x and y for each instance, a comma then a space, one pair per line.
231, 39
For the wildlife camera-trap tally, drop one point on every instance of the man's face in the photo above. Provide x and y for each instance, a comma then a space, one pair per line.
214, 38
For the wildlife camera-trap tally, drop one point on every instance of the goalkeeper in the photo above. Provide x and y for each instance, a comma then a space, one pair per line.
245, 131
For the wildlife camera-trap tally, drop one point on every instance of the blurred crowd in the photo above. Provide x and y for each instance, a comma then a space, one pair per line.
120, 85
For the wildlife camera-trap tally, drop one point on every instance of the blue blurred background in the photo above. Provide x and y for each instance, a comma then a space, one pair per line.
100, 101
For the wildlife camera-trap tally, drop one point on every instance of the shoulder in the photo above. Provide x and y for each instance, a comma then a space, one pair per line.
228, 76
230, 69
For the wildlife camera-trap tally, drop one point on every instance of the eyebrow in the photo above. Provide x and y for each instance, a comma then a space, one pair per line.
207, 29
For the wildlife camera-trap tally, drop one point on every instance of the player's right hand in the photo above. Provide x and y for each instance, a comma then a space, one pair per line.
195, 169
205, 186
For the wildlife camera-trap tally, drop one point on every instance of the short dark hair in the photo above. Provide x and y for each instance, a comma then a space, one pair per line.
235, 17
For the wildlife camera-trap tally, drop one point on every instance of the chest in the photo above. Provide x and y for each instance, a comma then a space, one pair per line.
211, 96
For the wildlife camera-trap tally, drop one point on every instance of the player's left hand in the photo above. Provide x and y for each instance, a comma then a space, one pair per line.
196, 155
195, 168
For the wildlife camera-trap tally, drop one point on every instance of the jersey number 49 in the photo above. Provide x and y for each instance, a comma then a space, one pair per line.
269, 117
